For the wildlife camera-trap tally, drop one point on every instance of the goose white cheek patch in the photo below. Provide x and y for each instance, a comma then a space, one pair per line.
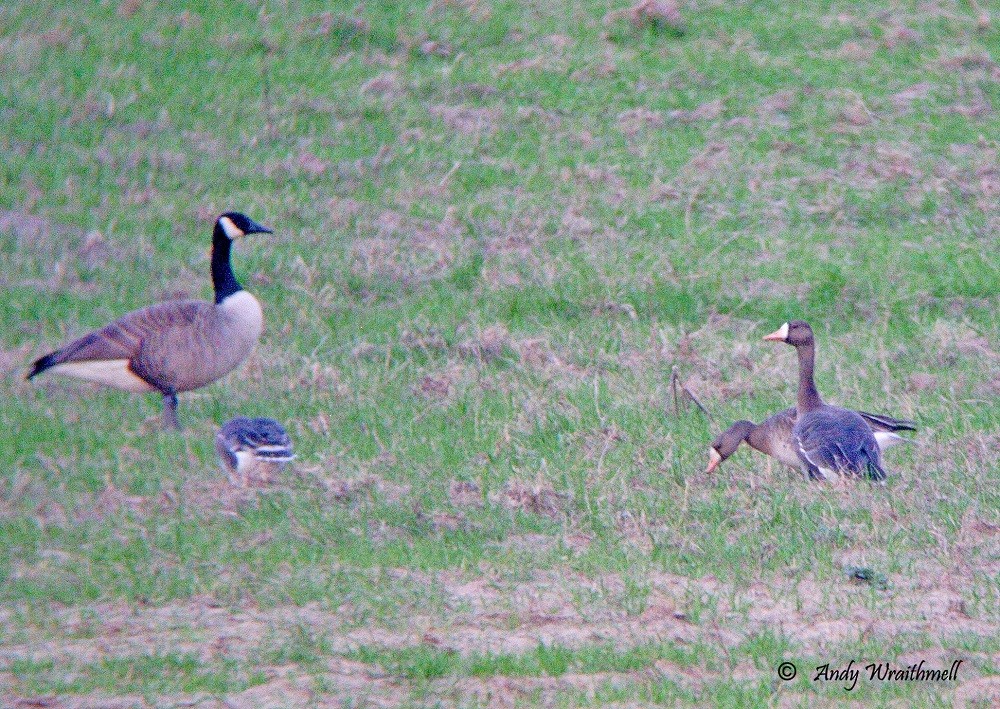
232, 231
244, 460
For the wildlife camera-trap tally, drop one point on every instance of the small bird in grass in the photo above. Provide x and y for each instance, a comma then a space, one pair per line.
828, 440
773, 437
174, 346
253, 451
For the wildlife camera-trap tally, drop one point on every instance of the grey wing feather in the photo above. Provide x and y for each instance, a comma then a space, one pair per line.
838, 440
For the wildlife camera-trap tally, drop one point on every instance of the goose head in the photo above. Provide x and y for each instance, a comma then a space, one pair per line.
795, 332
727, 442
253, 451
234, 225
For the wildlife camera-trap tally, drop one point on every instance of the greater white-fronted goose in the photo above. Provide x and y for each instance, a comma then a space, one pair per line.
773, 437
828, 440
174, 346
253, 451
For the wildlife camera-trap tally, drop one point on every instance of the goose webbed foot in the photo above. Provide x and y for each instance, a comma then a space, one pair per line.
170, 421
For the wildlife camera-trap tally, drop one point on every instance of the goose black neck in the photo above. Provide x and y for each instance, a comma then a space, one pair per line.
223, 280
809, 399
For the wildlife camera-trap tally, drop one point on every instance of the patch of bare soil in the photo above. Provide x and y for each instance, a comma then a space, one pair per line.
468, 121
465, 493
705, 112
505, 692
636, 120
405, 250
903, 100
488, 344
981, 692
494, 614
535, 498
26, 228
658, 14
97, 700
12, 361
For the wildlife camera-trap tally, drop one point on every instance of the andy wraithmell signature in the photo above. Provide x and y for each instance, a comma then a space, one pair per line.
884, 672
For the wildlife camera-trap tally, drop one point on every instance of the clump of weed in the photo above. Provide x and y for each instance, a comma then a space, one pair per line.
864, 574
660, 16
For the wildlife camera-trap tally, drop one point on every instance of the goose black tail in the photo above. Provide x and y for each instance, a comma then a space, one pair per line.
41, 364
888, 423
875, 471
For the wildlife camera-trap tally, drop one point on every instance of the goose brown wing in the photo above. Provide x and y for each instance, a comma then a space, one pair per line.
123, 338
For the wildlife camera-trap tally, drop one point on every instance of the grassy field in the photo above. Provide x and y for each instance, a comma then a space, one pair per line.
501, 228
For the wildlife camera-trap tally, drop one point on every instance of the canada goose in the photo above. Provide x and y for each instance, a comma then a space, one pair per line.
253, 451
773, 437
828, 439
174, 346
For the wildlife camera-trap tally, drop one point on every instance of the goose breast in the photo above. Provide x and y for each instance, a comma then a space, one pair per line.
196, 343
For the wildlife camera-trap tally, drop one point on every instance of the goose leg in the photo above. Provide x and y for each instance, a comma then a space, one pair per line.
170, 411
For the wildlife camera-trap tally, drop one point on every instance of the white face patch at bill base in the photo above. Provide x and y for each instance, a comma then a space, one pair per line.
779, 335
232, 231
244, 460
109, 372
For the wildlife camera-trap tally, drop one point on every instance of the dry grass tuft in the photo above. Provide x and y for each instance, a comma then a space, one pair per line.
27, 228
387, 84
324, 24
14, 360
433, 48
656, 14
635, 120
487, 345
468, 120
705, 112
465, 493
539, 498
127, 8
535, 352
348, 490
435, 387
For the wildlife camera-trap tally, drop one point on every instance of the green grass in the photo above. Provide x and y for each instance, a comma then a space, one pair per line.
499, 228
422, 662
148, 674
